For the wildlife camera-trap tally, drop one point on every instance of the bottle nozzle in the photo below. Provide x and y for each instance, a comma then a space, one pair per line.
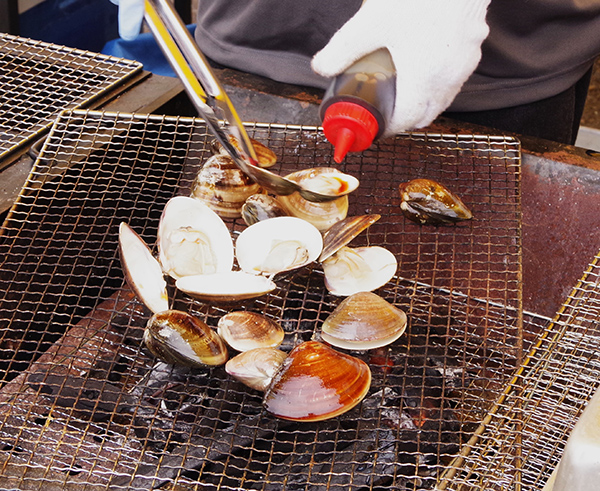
345, 140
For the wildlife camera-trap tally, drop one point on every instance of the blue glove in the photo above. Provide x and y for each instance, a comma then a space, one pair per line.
131, 15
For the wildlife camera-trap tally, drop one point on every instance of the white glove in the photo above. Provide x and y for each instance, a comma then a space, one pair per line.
131, 15
435, 46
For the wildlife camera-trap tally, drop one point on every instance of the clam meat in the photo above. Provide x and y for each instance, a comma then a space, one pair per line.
316, 383
228, 287
323, 180
244, 330
193, 239
259, 207
256, 368
425, 201
223, 186
179, 338
278, 244
363, 321
142, 271
361, 269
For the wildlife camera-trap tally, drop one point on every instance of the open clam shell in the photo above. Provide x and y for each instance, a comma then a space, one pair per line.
361, 269
142, 271
317, 382
425, 201
244, 330
260, 207
278, 244
178, 338
193, 239
341, 233
256, 368
363, 321
227, 287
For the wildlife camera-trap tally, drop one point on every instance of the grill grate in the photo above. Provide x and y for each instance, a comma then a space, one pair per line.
39, 80
84, 406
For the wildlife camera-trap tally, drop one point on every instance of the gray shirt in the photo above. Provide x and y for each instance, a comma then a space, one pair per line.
535, 49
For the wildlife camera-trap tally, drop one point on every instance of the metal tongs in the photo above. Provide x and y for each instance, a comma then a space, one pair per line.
212, 102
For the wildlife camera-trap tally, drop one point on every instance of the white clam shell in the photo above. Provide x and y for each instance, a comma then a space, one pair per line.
361, 269
278, 244
256, 367
227, 287
142, 271
193, 239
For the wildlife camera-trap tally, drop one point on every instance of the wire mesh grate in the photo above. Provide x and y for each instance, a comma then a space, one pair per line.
39, 80
84, 405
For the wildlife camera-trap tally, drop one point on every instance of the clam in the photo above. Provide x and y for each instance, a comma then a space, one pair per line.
222, 186
259, 207
317, 382
363, 321
278, 244
425, 201
361, 269
325, 180
342, 233
227, 287
266, 156
179, 338
193, 239
142, 271
243, 331
256, 368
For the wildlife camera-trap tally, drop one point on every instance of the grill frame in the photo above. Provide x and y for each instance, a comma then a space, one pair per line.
96, 328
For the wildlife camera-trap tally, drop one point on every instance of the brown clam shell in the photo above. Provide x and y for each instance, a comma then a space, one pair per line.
363, 321
244, 330
341, 233
259, 207
425, 201
223, 186
266, 156
179, 338
317, 382
256, 368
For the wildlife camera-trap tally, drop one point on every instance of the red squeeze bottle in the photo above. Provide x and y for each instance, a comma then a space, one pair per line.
358, 103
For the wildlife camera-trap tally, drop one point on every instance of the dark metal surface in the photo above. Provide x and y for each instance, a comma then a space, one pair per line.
84, 405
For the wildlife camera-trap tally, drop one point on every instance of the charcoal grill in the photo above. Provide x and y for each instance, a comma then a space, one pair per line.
40, 79
83, 404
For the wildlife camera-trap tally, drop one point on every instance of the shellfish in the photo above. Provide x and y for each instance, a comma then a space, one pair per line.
342, 233
363, 321
260, 207
193, 239
256, 368
278, 244
425, 201
142, 271
352, 270
222, 186
317, 382
266, 156
178, 338
243, 331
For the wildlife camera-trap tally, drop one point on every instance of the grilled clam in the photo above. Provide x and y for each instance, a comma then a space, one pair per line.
193, 239
259, 207
142, 271
363, 321
317, 382
243, 331
266, 156
223, 186
425, 201
256, 367
325, 180
179, 338
278, 244
229, 287
342, 233
352, 270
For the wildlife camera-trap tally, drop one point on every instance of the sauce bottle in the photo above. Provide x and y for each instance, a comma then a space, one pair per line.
358, 103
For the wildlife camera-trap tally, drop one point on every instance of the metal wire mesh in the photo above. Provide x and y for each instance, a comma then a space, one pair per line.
84, 405
39, 80
528, 429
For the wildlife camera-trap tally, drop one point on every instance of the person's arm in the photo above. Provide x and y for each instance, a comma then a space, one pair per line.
435, 46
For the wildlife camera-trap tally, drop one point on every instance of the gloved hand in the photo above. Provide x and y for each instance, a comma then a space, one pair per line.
435, 46
131, 15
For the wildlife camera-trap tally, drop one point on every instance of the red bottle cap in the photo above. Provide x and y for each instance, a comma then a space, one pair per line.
349, 127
